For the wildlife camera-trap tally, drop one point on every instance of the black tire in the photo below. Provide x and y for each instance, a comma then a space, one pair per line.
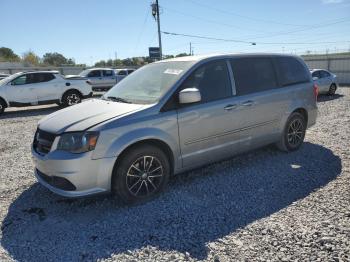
135, 182
71, 98
2, 106
332, 89
293, 133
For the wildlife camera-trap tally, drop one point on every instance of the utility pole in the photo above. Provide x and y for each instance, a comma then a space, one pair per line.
159, 33
155, 13
190, 48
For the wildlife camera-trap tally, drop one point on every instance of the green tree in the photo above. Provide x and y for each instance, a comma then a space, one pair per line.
182, 54
101, 63
31, 58
54, 59
7, 55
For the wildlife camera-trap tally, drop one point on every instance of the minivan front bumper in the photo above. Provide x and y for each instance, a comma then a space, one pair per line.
73, 175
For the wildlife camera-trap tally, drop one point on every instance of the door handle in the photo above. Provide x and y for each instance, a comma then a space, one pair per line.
248, 103
230, 107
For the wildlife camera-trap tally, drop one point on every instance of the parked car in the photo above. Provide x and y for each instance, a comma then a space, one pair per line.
122, 73
325, 80
41, 87
171, 116
101, 79
3, 75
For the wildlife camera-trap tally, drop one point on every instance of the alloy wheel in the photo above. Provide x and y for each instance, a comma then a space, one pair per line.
144, 176
295, 132
73, 99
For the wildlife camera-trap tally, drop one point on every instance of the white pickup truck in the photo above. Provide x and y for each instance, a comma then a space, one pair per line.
103, 79
42, 87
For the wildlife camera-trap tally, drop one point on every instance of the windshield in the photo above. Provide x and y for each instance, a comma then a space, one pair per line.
9, 78
84, 73
149, 83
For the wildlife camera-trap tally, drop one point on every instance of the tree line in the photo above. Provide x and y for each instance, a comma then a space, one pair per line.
57, 59
133, 61
30, 58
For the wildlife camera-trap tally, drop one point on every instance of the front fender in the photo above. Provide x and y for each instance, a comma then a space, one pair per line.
120, 143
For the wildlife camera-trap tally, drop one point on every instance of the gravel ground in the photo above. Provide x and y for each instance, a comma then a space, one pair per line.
264, 205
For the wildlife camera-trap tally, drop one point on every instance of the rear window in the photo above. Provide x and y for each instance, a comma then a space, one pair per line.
290, 71
253, 74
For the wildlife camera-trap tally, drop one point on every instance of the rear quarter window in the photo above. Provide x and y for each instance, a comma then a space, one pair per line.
291, 71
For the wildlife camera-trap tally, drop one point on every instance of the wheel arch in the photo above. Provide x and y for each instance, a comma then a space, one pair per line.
152, 142
303, 112
4, 101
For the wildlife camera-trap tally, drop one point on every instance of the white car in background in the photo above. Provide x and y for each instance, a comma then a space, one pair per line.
326, 81
122, 73
42, 87
101, 79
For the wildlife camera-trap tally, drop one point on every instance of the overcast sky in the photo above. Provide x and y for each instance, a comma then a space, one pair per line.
91, 30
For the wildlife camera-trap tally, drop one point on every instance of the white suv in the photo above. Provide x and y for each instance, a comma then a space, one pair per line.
42, 87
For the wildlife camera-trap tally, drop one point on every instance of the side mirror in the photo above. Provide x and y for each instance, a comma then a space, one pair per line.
314, 78
189, 95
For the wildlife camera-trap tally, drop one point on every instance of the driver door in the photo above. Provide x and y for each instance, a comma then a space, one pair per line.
21, 90
207, 131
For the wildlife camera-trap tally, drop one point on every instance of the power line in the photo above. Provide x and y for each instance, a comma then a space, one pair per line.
142, 29
243, 16
342, 20
250, 42
213, 21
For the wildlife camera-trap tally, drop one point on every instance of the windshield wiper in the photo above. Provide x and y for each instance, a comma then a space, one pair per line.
118, 99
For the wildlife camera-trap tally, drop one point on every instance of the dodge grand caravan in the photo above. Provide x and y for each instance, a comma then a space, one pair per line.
171, 116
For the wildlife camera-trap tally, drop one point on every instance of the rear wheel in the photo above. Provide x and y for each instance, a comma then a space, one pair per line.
141, 174
294, 133
332, 89
71, 98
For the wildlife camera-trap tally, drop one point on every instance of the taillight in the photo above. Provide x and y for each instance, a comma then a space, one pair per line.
316, 90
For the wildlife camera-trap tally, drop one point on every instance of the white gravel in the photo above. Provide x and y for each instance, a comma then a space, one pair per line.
265, 205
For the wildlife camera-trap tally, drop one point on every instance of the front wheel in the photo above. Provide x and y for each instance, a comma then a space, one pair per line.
142, 174
71, 98
293, 133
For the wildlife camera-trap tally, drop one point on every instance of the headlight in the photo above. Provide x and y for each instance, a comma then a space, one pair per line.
78, 142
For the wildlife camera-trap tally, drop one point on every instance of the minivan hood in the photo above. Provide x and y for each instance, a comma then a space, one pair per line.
82, 116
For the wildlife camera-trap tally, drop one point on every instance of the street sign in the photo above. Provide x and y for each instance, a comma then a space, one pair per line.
154, 52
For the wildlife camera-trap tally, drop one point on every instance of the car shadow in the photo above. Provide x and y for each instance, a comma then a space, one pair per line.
29, 112
198, 207
325, 98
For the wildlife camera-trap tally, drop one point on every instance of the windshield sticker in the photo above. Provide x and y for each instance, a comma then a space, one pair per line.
173, 71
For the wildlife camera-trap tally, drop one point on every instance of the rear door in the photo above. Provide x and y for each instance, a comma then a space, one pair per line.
260, 103
206, 129
46, 87
109, 78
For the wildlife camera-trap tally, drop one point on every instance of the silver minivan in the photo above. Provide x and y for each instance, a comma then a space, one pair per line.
171, 116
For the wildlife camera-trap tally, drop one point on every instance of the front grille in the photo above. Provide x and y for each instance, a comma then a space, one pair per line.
43, 141
58, 182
